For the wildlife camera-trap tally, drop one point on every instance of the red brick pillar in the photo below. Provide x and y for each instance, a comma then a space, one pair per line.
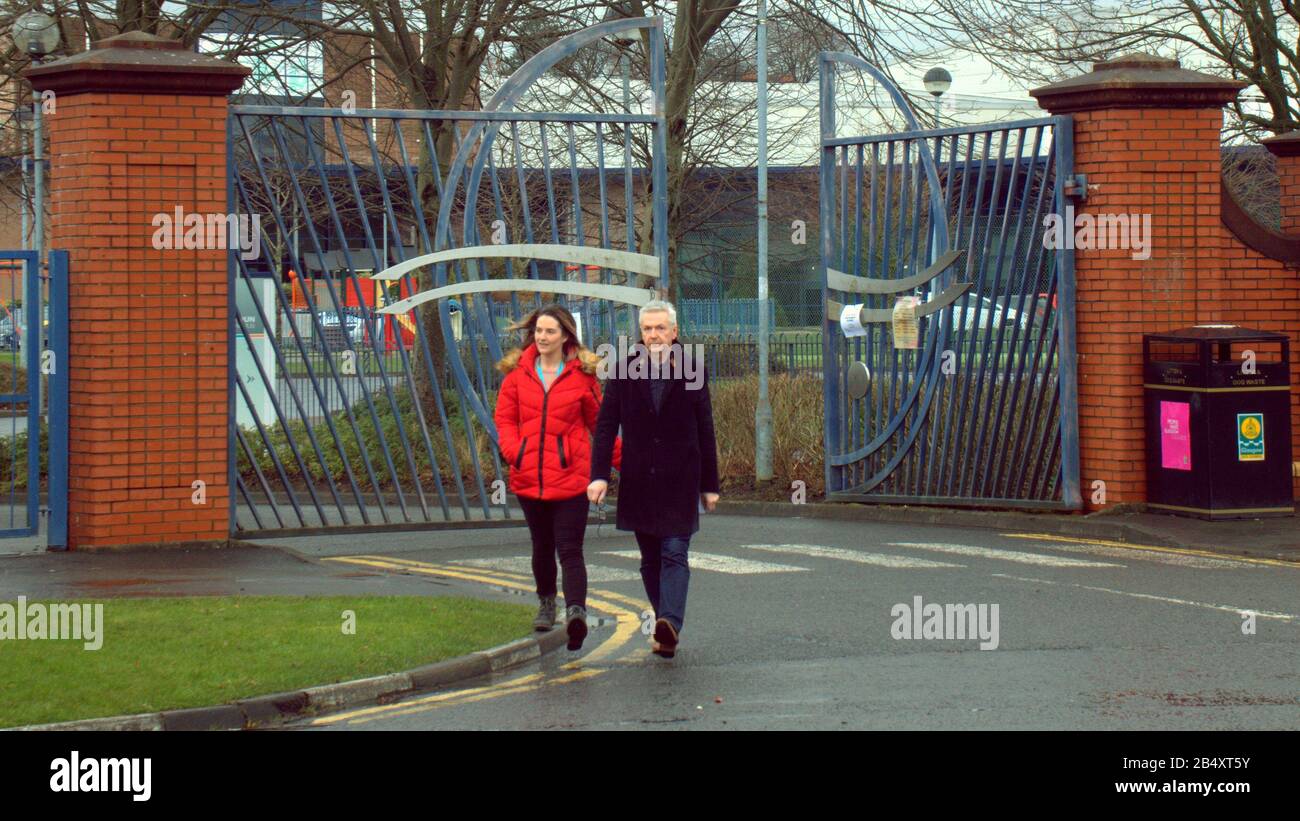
139, 129
1146, 136
1286, 148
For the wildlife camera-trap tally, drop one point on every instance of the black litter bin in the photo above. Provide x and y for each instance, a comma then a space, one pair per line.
1218, 422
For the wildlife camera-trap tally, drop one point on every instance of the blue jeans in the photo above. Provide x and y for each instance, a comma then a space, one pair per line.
666, 575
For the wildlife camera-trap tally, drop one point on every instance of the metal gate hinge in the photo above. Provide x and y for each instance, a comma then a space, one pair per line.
1075, 186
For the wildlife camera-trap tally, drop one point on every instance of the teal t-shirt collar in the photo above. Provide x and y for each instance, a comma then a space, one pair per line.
559, 370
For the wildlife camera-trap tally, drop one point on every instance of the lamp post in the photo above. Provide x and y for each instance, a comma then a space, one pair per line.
36, 34
763, 410
937, 81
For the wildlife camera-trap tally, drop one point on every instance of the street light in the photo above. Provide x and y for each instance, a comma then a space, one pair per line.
937, 81
36, 34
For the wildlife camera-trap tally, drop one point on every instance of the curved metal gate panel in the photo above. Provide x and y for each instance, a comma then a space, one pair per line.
347, 408
983, 411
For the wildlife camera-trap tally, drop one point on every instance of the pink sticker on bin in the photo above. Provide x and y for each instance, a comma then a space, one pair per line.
1175, 438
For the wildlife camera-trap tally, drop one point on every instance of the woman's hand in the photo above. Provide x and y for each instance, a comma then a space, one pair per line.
596, 491
709, 500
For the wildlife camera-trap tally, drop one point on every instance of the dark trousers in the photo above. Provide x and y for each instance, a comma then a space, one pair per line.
558, 527
666, 574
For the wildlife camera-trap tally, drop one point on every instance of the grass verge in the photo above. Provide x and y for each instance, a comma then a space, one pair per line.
164, 654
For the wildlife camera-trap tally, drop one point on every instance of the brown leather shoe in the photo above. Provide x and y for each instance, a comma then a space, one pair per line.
665, 640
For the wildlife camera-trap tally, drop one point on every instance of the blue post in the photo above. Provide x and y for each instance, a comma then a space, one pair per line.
57, 537
32, 305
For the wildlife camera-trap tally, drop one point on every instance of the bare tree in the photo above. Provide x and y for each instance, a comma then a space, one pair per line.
710, 107
252, 32
1251, 40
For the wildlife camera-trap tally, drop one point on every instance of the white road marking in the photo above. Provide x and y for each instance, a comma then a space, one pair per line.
1174, 559
523, 565
1002, 555
719, 564
877, 559
1226, 608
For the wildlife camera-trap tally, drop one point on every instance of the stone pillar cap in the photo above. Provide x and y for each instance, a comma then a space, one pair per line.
1284, 145
142, 63
1137, 81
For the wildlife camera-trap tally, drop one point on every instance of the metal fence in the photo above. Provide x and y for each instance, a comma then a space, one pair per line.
713, 316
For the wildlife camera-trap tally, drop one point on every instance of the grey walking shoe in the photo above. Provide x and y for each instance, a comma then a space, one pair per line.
545, 614
577, 618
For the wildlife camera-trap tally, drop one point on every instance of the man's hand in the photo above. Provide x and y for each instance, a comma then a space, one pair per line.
709, 500
596, 491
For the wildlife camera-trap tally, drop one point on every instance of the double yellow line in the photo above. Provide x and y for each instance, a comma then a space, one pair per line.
625, 610
1180, 551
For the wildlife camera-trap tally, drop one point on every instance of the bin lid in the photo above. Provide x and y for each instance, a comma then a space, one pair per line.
1219, 332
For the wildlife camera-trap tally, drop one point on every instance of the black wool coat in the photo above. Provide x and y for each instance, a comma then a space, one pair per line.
669, 457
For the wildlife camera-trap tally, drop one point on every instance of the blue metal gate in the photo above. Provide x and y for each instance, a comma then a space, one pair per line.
983, 410
363, 383
34, 395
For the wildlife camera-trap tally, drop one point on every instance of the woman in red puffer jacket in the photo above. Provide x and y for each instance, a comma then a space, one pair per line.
546, 410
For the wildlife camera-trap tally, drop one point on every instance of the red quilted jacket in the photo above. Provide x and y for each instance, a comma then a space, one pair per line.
545, 436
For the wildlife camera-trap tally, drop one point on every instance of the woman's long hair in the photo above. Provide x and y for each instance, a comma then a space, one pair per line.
572, 347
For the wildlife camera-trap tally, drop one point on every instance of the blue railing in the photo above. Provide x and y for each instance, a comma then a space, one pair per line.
712, 316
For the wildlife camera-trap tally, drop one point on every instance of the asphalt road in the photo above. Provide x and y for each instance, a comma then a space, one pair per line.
792, 623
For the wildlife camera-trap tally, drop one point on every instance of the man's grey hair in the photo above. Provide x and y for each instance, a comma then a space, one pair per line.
658, 305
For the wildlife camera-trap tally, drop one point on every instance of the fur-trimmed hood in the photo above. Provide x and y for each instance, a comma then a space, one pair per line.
525, 357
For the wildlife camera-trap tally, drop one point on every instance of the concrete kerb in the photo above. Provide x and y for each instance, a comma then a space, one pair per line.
267, 711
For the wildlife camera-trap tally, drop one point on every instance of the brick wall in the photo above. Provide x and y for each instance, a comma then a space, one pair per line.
148, 324
1288, 175
1142, 156
148, 328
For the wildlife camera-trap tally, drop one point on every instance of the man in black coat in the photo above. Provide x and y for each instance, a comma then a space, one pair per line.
660, 398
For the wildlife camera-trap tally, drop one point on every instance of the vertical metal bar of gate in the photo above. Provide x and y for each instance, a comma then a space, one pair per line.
233, 480
660, 158
830, 329
57, 528
1063, 144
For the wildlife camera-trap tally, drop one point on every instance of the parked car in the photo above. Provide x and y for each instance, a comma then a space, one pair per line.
334, 328
981, 313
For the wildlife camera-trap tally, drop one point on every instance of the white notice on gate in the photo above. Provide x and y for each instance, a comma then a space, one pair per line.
851, 321
906, 333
